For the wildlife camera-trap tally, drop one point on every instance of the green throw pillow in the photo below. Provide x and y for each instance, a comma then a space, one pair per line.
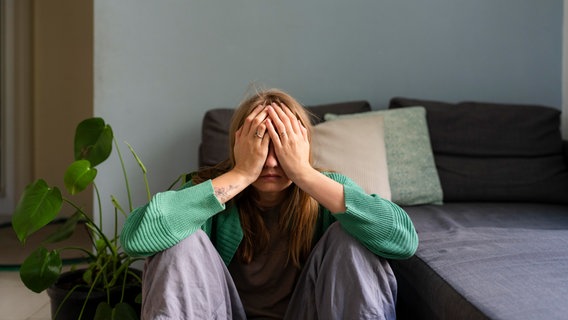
412, 171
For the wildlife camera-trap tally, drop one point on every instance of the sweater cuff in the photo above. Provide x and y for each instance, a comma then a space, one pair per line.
187, 210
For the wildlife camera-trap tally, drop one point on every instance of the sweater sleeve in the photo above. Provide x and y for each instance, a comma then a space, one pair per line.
380, 225
168, 218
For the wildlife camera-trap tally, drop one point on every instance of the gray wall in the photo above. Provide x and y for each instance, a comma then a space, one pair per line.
160, 64
565, 74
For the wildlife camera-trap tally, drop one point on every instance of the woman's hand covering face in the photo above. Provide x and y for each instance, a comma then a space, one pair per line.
289, 139
251, 143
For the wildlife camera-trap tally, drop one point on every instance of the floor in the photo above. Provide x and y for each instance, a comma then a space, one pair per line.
16, 301
13, 294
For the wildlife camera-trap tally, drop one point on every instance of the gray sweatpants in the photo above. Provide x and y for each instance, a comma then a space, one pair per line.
341, 280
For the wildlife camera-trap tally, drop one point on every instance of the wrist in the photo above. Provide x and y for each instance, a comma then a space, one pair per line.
302, 176
244, 176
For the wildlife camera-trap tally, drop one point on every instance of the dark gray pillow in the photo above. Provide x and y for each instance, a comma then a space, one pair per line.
496, 152
215, 127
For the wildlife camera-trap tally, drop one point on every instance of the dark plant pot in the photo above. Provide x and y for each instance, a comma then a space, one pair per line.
71, 308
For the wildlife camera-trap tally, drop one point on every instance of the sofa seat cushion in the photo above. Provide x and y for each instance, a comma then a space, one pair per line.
496, 152
486, 260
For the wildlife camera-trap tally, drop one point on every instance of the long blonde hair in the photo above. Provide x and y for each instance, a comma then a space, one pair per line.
299, 211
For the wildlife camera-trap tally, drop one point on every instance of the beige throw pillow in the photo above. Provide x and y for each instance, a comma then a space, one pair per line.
413, 176
354, 147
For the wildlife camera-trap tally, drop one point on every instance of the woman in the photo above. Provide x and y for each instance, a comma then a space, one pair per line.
266, 235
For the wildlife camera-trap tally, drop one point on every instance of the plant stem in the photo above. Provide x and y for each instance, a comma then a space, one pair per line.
125, 175
115, 226
180, 177
100, 205
93, 226
123, 286
90, 291
90, 254
64, 300
147, 187
144, 171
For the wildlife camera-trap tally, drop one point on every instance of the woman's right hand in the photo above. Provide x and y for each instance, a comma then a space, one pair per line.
250, 151
251, 144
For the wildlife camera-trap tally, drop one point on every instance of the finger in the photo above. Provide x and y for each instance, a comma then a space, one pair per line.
238, 133
272, 132
252, 121
248, 120
279, 108
261, 130
259, 123
303, 129
278, 117
265, 136
291, 116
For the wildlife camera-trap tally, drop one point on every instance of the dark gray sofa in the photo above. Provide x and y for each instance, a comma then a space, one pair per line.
497, 248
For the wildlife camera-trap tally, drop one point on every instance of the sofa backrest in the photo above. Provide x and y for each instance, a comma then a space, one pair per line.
496, 152
214, 146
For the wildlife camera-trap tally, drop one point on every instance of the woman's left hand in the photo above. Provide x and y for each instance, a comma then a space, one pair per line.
292, 147
290, 140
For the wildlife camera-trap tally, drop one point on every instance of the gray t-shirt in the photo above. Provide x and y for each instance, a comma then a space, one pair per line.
266, 284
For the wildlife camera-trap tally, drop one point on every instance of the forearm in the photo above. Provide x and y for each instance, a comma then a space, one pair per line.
380, 225
229, 184
168, 218
326, 191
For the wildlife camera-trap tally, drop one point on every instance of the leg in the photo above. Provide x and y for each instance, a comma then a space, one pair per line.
189, 281
343, 280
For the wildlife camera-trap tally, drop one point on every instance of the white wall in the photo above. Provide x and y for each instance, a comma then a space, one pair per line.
159, 65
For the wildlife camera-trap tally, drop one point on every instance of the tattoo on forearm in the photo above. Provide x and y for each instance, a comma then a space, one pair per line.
224, 193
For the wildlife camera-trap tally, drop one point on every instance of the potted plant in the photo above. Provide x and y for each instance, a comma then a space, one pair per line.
108, 274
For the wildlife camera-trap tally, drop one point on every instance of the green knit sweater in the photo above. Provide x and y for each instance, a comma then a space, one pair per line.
171, 216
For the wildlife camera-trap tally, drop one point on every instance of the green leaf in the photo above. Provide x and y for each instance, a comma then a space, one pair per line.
88, 276
66, 230
93, 141
40, 269
38, 206
100, 245
137, 158
104, 312
122, 311
115, 203
78, 176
